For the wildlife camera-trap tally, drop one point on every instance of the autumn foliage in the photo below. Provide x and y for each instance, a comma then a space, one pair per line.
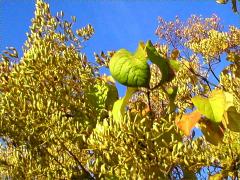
61, 119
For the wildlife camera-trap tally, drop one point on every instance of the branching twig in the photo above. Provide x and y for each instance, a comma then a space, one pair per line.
210, 68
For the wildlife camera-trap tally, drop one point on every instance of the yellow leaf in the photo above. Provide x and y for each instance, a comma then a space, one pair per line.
216, 177
212, 107
119, 106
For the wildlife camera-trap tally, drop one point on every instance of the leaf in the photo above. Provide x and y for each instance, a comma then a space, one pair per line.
232, 119
119, 106
187, 174
216, 177
229, 100
188, 121
172, 92
141, 52
233, 57
117, 110
167, 136
112, 96
213, 132
102, 94
174, 64
234, 6
112, 92
162, 63
222, 1
212, 107
175, 54
130, 70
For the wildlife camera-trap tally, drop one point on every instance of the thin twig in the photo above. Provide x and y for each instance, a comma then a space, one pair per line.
77, 161
210, 68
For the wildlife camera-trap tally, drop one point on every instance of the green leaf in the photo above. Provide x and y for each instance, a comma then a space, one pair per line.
112, 96
232, 119
131, 70
212, 107
119, 106
174, 64
188, 174
172, 92
162, 63
102, 94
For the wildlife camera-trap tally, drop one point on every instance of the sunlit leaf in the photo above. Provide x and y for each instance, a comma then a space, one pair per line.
167, 136
216, 177
233, 57
119, 106
188, 121
212, 107
130, 69
222, 1
175, 65
229, 100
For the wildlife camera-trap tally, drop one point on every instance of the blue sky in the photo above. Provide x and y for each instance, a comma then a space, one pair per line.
118, 24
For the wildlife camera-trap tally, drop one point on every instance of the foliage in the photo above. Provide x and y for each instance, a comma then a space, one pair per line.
60, 119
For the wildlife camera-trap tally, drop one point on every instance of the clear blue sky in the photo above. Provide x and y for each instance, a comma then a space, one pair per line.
118, 24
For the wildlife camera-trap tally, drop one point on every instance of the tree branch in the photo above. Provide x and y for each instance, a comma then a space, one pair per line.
77, 161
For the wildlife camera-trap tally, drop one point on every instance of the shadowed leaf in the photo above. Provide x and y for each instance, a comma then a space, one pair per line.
162, 63
213, 132
232, 119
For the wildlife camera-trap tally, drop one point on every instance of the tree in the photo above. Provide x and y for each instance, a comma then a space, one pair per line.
61, 119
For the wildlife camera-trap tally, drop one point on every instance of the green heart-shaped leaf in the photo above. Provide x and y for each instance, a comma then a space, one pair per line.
130, 69
212, 107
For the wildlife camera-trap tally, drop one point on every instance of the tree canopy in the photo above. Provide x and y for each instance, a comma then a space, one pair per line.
60, 118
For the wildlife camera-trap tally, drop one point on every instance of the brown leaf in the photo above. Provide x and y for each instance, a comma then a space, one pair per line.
175, 54
213, 132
